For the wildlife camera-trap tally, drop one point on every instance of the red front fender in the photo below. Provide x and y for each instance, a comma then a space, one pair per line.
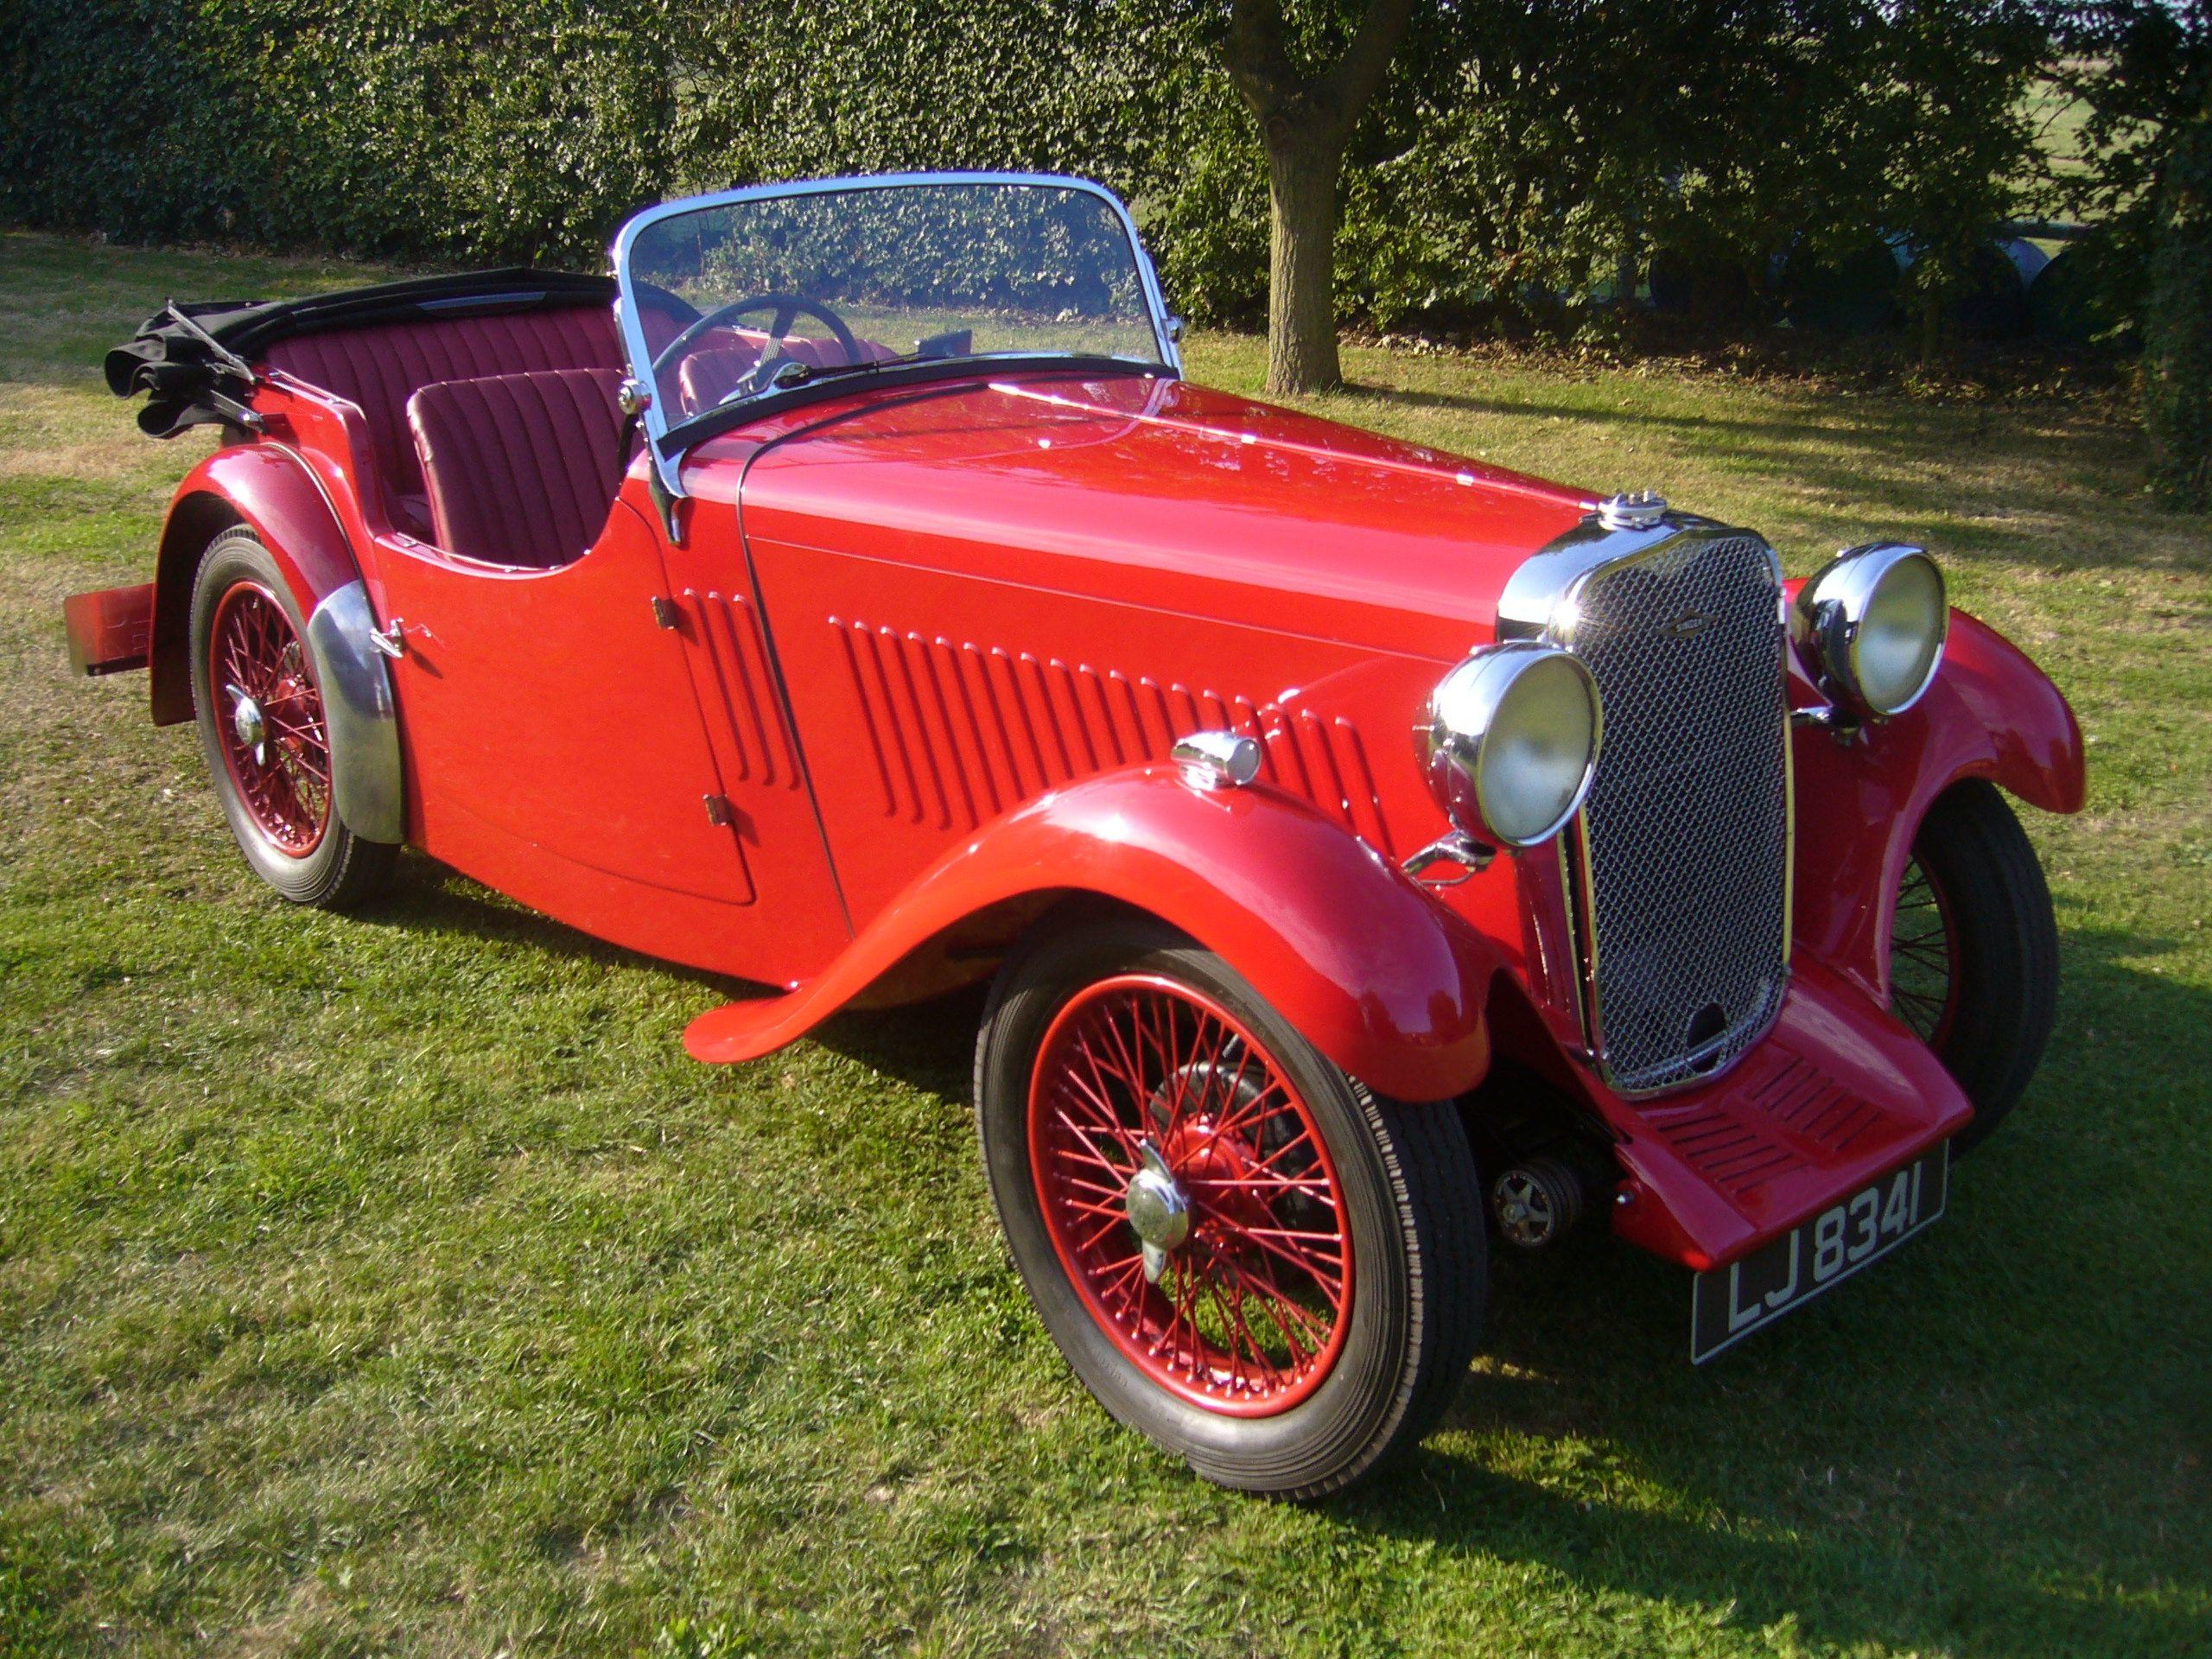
1376, 975
1992, 714
268, 488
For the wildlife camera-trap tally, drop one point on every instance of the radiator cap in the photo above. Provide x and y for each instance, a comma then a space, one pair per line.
1637, 510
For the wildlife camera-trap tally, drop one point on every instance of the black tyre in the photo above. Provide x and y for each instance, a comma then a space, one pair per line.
1321, 1296
1974, 959
262, 728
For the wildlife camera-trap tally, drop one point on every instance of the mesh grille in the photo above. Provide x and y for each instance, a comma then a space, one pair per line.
1687, 824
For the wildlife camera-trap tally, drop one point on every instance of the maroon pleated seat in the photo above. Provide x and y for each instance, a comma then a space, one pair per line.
520, 469
379, 367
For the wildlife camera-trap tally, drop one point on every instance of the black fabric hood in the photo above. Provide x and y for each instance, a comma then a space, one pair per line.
193, 360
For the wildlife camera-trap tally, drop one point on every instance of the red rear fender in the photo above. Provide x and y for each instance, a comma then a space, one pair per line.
1380, 977
266, 487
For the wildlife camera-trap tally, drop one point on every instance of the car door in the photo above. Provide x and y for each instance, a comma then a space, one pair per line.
550, 725
716, 611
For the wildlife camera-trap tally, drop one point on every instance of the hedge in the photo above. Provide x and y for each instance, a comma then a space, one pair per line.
440, 129
1519, 154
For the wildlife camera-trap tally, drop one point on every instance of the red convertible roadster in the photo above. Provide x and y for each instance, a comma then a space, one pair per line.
1376, 855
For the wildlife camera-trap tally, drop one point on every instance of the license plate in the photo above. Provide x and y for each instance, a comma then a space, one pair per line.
1730, 1303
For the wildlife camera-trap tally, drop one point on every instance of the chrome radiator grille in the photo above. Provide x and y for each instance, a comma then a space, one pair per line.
1683, 845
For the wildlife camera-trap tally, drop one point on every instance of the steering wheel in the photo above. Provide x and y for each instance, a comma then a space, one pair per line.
785, 309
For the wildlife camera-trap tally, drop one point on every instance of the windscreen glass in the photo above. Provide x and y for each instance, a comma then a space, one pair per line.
742, 298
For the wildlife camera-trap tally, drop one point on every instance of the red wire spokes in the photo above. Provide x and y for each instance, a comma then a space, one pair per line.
1249, 1310
284, 780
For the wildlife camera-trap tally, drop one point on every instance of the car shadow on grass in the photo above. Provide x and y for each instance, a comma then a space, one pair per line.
428, 897
1995, 1443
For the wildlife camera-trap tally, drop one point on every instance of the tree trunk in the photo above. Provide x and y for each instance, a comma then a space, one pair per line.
1305, 120
1301, 286
1932, 297
2178, 324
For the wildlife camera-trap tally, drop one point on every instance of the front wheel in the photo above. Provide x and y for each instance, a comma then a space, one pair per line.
1271, 1272
1973, 952
262, 728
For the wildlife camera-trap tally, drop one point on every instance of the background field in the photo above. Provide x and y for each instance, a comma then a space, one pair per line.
395, 1284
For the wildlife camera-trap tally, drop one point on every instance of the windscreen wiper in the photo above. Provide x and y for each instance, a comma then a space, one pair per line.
795, 373
953, 343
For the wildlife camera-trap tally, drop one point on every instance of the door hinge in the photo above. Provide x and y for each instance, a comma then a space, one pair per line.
718, 811
663, 611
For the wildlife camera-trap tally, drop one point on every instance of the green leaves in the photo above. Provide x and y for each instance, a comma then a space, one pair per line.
1518, 158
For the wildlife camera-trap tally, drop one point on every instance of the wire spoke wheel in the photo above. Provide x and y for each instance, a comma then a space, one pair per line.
1924, 957
1187, 1188
1245, 1253
270, 719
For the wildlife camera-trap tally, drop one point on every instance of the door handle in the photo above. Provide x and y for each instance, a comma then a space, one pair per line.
391, 639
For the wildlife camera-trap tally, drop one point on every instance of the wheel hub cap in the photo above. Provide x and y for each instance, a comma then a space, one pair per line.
247, 722
1524, 1211
1158, 1210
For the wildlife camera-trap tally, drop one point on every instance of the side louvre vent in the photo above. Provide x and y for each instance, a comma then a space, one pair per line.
737, 693
959, 734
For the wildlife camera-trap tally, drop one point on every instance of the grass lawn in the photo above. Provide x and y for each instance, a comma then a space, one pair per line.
395, 1284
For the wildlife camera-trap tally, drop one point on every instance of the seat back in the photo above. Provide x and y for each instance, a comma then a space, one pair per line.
381, 366
520, 469
707, 376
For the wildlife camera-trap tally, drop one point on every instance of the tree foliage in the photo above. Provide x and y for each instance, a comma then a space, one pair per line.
1516, 159
2143, 69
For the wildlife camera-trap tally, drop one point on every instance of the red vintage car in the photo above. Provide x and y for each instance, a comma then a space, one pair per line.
1376, 855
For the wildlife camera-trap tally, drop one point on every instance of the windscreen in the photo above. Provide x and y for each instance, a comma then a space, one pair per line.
740, 298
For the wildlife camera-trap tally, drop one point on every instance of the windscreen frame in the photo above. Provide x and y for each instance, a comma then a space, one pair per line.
666, 443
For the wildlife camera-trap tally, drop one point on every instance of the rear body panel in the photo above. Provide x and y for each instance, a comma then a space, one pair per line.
111, 631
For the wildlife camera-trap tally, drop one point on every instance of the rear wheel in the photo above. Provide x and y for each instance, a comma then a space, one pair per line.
1244, 1254
1973, 952
262, 729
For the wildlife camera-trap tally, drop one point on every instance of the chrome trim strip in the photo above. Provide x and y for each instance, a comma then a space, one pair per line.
1538, 591
669, 469
1540, 602
1575, 878
1789, 841
360, 715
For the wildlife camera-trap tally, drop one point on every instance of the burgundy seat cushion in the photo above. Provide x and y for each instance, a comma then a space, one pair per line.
380, 366
521, 469
707, 376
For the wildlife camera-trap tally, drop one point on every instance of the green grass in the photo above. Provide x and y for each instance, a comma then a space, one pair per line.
395, 1284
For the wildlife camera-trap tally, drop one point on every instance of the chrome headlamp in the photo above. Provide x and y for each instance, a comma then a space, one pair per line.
1512, 741
1871, 626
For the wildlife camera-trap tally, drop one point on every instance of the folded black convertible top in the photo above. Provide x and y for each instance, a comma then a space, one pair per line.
194, 358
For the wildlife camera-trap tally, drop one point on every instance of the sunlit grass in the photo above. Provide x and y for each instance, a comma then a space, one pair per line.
395, 1284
